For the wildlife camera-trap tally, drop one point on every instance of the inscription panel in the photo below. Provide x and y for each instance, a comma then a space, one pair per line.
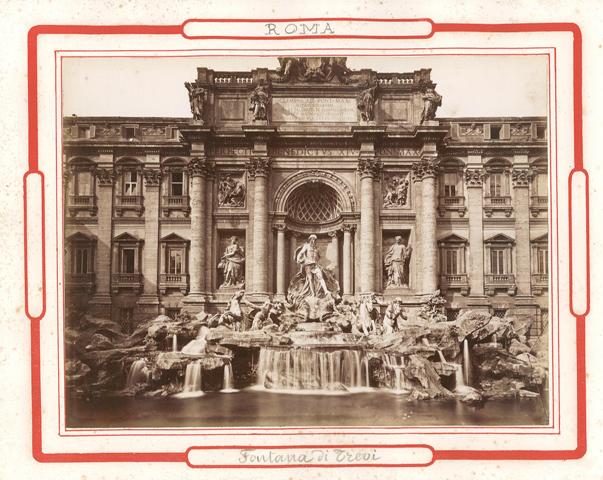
313, 109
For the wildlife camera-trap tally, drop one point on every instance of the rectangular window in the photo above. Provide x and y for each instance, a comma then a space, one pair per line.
497, 261
495, 132
541, 184
128, 264
177, 184
130, 182
83, 132
450, 183
496, 185
129, 132
175, 261
83, 183
542, 260
452, 262
80, 260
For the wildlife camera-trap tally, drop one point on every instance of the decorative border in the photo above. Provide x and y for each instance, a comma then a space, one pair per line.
33, 170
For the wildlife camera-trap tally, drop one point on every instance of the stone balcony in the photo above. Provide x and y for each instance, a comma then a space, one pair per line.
502, 203
82, 203
540, 283
505, 281
124, 203
455, 204
456, 281
132, 281
177, 281
175, 203
538, 204
81, 281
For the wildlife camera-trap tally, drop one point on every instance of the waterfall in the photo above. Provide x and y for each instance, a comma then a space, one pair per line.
395, 364
192, 381
458, 377
442, 358
495, 339
312, 369
227, 382
174, 343
139, 373
466, 362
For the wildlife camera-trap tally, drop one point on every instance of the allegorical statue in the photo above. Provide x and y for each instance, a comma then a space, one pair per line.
232, 263
396, 264
231, 192
431, 102
312, 280
260, 102
366, 103
196, 97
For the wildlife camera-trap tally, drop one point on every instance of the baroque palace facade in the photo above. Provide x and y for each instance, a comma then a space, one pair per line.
403, 203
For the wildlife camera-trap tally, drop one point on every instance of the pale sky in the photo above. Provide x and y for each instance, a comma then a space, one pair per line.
492, 85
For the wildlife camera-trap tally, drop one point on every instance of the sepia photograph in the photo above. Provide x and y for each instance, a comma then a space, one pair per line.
306, 241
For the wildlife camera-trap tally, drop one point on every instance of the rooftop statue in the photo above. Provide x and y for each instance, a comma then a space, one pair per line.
260, 102
196, 97
366, 103
313, 69
431, 102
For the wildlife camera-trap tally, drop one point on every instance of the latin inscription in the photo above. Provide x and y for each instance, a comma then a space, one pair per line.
312, 109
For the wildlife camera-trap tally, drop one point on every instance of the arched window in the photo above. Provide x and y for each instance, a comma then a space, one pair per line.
313, 203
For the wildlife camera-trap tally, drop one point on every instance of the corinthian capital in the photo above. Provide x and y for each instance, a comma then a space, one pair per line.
105, 176
424, 168
369, 167
258, 166
152, 177
196, 167
474, 177
521, 177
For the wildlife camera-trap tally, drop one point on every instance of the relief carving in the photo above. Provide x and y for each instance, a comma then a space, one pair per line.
396, 191
231, 190
313, 69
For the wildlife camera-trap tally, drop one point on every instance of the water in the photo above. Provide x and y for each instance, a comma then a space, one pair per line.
250, 408
395, 364
466, 362
192, 381
312, 369
227, 383
174, 343
139, 373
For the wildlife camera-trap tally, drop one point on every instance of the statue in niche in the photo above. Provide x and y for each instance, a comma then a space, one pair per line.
366, 102
431, 102
196, 97
260, 101
396, 264
312, 280
231, 192
396, 192
232, 263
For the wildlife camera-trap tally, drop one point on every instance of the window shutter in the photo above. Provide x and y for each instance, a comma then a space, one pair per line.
486, 131
92, 131
505, 133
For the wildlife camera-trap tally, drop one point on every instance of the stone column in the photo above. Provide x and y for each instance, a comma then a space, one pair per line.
474, 180
152, 182
259, 168
417, 254
521, 179
335, 253
429, 247
210, 264
369, 169
101, 301
347, 260
196, 171
280, 260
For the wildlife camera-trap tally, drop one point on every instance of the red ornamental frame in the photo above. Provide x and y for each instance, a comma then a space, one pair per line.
33, 170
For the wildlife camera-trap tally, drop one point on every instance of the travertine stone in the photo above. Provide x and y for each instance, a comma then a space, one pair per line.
521, 180
280, 259
473, 182
197, 258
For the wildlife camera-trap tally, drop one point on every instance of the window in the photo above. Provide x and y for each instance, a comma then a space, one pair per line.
83, 132
499, 312
451, 180
451, 263
497, 261
80, 264
82, 183
130, 182
541, 132
495, 131
540, 184
177, 184
129, 133
452, 314
542, 257
128, 260
496, 185
175, 260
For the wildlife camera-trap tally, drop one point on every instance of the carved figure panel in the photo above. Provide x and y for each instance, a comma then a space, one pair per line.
232, 189
395, 194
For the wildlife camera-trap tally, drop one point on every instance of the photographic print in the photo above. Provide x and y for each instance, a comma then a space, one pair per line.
306, 241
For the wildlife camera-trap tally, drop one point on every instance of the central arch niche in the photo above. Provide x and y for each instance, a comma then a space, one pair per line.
313, 203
